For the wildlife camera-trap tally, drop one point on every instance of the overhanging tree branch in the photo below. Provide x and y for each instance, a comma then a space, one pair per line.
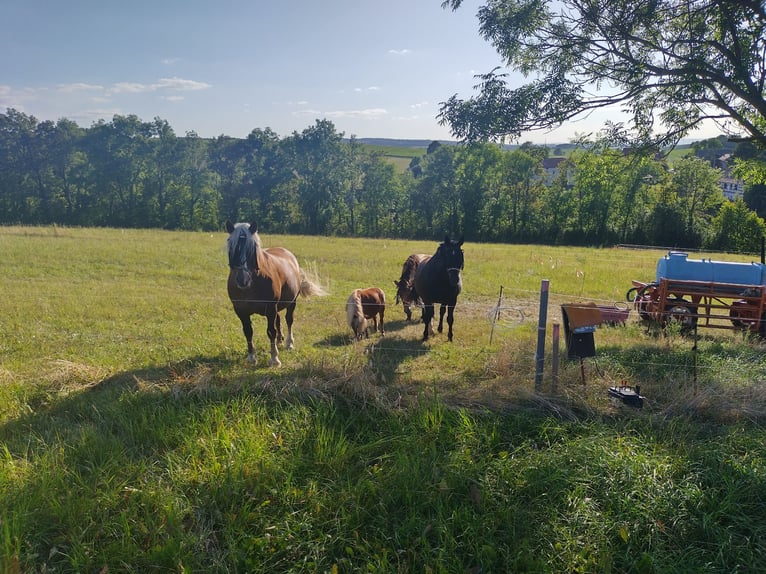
676, 62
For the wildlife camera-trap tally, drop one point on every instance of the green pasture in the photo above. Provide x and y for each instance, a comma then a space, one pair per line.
135, 437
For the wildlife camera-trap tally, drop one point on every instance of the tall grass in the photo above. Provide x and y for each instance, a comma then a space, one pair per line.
135, 437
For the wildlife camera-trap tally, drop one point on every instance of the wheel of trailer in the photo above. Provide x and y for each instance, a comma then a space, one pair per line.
681, 311
740, 321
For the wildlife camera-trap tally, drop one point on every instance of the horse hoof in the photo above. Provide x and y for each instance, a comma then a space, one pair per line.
275, 362
250, 358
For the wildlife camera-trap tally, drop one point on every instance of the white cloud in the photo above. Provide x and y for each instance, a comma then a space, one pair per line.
178, 84
170, 61
368, 89
400, 52
307, 112
369, 113
181, 84
130, 87
419, 105
79, 87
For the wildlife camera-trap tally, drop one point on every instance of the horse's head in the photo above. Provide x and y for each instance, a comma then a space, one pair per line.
242, 244
403, 291
451, 253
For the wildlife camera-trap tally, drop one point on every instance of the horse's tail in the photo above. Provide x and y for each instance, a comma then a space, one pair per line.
311, 289
310, 286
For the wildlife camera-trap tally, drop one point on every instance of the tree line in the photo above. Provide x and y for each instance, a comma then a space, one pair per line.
131, 173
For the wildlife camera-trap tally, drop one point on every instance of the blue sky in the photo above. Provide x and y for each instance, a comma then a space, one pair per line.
375, 69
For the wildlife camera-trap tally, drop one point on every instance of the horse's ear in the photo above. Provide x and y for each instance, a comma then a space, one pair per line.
460, 242
396, 283
253, 227
229, 226
446, 238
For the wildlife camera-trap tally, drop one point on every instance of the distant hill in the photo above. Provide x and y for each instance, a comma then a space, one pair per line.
390, 142
413, 144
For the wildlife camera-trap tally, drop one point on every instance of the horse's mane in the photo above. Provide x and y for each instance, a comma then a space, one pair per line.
250, 247
354, 311
409, 267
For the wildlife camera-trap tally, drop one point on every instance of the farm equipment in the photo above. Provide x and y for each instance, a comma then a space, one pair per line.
703, 293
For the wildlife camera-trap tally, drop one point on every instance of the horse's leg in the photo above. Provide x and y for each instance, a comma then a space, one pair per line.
450, 320
428, 315
278, 325
290, 342
247, 329
408, 310
271, 331
382, 327
442, 309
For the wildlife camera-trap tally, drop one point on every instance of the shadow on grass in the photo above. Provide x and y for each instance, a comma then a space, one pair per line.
127, 442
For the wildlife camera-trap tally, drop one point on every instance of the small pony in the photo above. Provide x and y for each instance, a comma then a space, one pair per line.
364, 304
405, 287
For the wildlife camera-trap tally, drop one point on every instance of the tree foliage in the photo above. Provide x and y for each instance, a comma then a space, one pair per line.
671, 64
130, 173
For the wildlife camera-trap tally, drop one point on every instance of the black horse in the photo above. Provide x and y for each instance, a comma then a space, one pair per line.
437, 280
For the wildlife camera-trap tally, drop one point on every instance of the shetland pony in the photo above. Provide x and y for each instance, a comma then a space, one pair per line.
406, 283
438, 280
364, 304
264, 282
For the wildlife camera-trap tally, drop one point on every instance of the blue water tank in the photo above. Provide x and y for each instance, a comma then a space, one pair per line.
677, 265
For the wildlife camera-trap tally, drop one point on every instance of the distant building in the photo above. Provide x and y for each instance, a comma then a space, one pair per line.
733, 188
552, 168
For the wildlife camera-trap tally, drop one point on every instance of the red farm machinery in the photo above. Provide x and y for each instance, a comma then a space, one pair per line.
703, 293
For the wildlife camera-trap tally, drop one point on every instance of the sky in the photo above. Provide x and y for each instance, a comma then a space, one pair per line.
226, 67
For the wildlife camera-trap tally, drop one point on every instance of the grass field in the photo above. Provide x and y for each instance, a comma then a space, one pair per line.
135, 437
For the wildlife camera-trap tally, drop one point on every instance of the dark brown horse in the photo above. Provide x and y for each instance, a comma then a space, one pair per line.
264, 282
438, 280
406, 284
364, 304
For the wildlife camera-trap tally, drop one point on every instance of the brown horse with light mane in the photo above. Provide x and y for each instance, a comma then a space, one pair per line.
364, 304
405, 287
264, 282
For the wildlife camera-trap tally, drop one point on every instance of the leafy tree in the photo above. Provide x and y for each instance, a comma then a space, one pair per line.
737, 228
436, 198
265, 170
379, 197
323, 170
557, 205
17, 132
670, 64
696, 183
639, 172
479, 171
755, 198
161, 172
226, 158
596, 189
522, 174
118, 152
